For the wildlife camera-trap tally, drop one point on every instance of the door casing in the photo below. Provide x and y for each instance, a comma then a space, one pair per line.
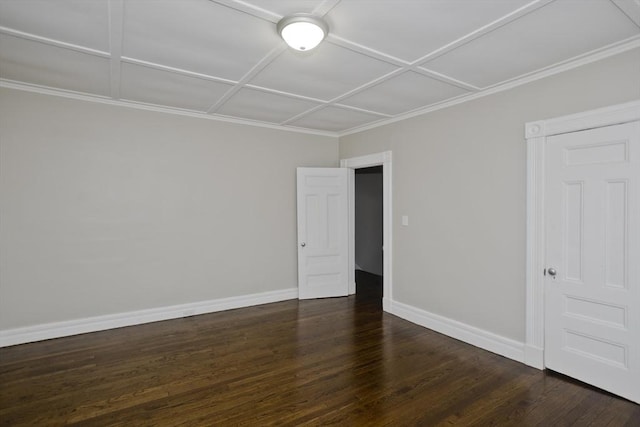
377, 159
536, 134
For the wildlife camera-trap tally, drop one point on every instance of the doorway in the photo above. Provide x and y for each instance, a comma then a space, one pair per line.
368, 232
326, 228
382, 160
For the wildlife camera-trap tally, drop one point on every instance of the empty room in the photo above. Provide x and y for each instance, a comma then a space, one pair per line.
320, 212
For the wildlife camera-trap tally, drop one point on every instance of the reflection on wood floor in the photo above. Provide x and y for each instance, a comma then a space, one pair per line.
336, 361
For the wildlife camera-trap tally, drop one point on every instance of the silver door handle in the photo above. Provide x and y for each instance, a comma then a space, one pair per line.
303, 244
552, 272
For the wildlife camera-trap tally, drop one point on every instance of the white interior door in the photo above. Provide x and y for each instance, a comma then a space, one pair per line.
592, 282
323, 238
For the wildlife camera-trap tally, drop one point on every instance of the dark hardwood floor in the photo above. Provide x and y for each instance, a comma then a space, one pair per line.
339, 361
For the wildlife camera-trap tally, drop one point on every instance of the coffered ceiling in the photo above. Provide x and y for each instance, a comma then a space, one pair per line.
382, 60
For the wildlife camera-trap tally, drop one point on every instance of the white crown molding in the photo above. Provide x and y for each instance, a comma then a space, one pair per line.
9, 84
599, 54
596, 55
481, 338
46, 331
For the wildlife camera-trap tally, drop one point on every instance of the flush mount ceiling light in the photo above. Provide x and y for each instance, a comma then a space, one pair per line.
302, 31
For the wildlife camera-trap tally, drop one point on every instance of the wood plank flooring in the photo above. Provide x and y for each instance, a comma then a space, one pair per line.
338, 361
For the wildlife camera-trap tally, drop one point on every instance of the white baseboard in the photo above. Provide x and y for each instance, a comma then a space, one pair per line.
534, 356
100, 323
461, 331
386, 305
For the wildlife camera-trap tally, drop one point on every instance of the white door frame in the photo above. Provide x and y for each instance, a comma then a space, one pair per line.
536, 134
377, 159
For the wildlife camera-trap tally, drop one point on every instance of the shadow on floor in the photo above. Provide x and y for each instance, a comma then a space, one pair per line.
368, 288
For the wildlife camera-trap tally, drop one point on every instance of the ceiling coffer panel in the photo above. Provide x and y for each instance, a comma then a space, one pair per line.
323, 73
51, 66
161, 87
410, 29
249, 104
335, 119
403, 93
559, 31
196, 35
381, 60
79, 22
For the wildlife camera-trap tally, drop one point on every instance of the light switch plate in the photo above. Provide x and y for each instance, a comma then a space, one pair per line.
405, 220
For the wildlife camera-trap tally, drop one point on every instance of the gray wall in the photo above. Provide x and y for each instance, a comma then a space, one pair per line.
459, 174
368, 219
106, 209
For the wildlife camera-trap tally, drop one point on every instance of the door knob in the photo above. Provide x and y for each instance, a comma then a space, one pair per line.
552, 272
303, 244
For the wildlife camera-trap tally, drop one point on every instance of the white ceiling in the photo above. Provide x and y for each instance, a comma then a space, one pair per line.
383, 59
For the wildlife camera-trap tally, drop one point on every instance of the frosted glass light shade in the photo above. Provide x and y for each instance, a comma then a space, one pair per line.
302, 32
